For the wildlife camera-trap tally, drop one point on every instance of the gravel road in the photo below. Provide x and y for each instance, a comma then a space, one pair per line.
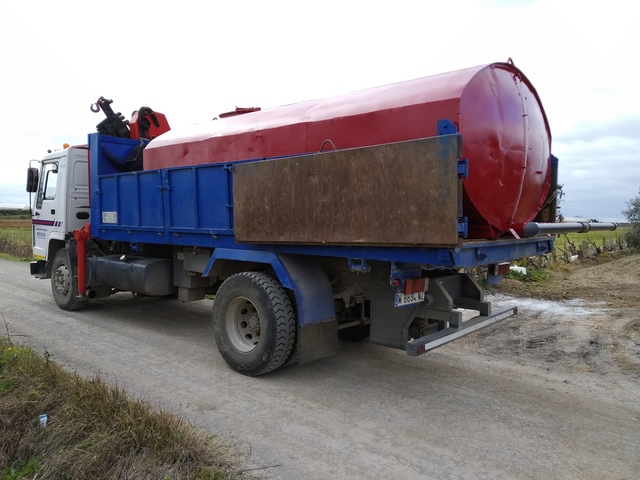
367, 412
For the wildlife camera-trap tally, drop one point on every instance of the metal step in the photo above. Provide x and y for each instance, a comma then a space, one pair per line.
429, 342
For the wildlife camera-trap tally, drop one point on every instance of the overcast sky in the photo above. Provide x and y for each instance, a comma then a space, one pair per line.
194, 60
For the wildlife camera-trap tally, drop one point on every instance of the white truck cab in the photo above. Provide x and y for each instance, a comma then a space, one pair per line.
61, 203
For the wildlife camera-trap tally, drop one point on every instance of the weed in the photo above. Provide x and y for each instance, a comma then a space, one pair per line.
532, 275
94, 431
27, 469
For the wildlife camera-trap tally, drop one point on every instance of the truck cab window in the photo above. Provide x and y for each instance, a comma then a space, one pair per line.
48, 182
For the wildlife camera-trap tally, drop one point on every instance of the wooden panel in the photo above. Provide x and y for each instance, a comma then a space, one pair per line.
396, 194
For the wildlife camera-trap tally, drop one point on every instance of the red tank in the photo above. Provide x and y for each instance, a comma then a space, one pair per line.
505, 136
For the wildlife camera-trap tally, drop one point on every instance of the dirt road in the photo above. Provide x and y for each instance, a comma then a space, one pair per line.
533, 397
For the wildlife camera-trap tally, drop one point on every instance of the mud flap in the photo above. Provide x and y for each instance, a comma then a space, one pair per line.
317, 340
317, 323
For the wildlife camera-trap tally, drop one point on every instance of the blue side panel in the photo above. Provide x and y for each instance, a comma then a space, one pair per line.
199, 198
128, 194
213, 190
151, 212
107, 202
183, 206
128, 200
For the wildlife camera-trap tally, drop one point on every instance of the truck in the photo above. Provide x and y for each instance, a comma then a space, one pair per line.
351, 217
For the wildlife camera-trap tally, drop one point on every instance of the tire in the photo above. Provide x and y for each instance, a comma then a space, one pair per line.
292, 359
63, 285
253, 323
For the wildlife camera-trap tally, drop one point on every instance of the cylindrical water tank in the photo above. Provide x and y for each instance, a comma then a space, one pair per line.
505, 136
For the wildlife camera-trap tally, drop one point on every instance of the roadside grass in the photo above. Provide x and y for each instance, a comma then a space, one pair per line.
94, 431
15, 243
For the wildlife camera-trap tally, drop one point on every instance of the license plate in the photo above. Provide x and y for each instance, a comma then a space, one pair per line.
403, 299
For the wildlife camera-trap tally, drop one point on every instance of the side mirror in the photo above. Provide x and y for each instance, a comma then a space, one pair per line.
32, 180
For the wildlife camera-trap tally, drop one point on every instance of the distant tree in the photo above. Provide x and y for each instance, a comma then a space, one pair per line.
559, 198
633, 217
560, 193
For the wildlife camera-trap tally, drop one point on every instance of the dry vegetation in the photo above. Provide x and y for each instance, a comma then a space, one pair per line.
94, 431
15, 238
15, 223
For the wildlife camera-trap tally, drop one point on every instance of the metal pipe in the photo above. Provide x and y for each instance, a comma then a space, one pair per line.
533, 229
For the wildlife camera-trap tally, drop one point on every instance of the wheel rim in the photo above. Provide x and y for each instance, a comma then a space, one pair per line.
61, 280
243, 324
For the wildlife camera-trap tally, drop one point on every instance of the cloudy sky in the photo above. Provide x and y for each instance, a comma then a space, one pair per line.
193, 60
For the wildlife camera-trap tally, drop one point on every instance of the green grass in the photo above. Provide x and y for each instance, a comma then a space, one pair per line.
597, 239
15, 243
533, 275
94, 431
26, 470
596, 236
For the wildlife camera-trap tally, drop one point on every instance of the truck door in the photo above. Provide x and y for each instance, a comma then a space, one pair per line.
77, 190
47, 213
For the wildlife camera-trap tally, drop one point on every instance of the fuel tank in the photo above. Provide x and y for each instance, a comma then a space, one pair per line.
505, 136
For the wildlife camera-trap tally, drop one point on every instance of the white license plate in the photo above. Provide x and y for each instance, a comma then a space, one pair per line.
403, 299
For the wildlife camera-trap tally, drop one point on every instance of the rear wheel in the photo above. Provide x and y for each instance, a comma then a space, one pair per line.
253, 323
63, 285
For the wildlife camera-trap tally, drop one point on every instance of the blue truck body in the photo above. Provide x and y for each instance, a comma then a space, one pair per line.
193, 206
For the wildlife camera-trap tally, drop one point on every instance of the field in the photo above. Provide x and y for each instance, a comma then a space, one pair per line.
566, 245
15, 238
15, 223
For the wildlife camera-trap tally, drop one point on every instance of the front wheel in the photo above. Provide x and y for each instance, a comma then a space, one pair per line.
63, 285
253, 323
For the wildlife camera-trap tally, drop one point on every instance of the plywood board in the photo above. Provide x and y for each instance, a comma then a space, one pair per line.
403, 193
